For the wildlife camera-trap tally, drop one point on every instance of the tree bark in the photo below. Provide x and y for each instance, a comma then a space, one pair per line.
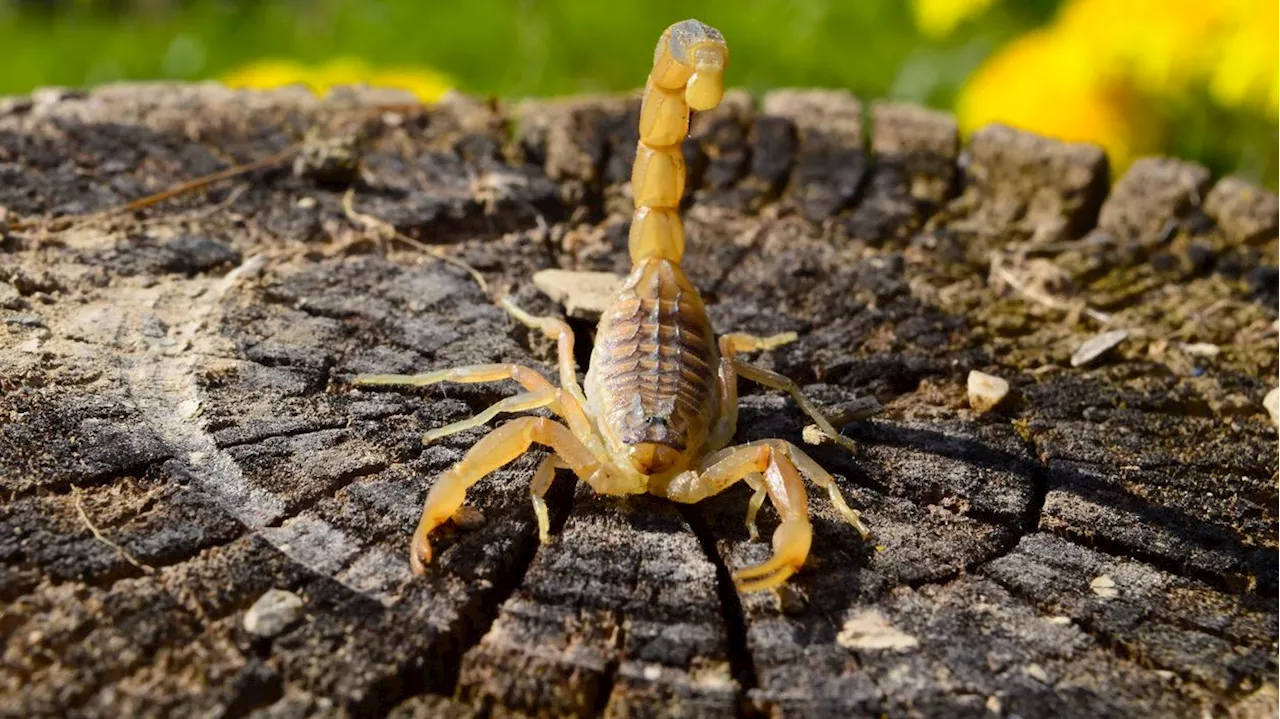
179, 433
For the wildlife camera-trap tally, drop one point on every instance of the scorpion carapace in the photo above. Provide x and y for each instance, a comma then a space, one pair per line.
661, 399
653, 368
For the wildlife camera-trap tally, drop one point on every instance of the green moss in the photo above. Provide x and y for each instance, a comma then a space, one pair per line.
1022, 426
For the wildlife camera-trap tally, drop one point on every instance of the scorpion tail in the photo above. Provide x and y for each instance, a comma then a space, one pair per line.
688, 73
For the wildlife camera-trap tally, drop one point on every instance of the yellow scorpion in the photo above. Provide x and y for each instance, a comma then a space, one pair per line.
661, 399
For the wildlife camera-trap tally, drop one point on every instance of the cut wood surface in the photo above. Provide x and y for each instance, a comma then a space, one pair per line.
178, 433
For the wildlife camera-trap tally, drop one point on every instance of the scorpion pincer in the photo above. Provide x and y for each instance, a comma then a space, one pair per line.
660, 405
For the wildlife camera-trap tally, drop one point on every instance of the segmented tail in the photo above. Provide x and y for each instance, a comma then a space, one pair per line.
688, 73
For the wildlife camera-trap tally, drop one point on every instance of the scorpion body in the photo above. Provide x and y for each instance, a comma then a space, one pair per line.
652, 368
660, 403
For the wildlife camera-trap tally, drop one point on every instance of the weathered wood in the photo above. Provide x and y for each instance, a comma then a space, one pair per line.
179, 435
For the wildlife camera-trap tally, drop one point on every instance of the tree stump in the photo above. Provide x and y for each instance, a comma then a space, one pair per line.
180, 437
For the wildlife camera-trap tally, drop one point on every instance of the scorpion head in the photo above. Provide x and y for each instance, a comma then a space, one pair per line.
654, 445
609, 479
651, 458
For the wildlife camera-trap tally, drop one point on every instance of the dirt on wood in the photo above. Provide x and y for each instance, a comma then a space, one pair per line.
178, 435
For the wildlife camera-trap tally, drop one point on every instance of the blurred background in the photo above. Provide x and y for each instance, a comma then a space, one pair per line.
1192, 78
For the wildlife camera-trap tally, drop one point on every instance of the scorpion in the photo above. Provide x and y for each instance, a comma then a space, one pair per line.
660, 406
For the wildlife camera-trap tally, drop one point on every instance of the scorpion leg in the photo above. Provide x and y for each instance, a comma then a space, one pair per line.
793, 536
767, 468
727, 381
746, 343
495, 450
542, 479
786, 384
783, 465
528, 378
814, 472
756, 481
563, 335
567, 406
731, 344
517, 403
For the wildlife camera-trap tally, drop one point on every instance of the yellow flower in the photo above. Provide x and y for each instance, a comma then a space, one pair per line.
1042, 82
1245, 73
937, 18
426, 84
1100, 69
1162, 46
264, 74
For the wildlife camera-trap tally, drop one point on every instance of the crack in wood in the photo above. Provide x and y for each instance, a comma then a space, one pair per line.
609, 675
340, 482
449, 655
295, 432
1111, 641
741, 664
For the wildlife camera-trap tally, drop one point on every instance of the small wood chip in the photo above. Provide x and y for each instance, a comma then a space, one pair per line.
1097, 346
813, 434
1202, 349
870, 629
986, 391
273, 613
190, 408
1104, 586
585, 295
1272, 403
1037, 672
468, 518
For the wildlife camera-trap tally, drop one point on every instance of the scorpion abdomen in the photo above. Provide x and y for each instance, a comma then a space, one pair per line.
654, 363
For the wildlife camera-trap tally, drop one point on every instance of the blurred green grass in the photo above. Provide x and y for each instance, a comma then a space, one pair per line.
518, 48
504, 47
